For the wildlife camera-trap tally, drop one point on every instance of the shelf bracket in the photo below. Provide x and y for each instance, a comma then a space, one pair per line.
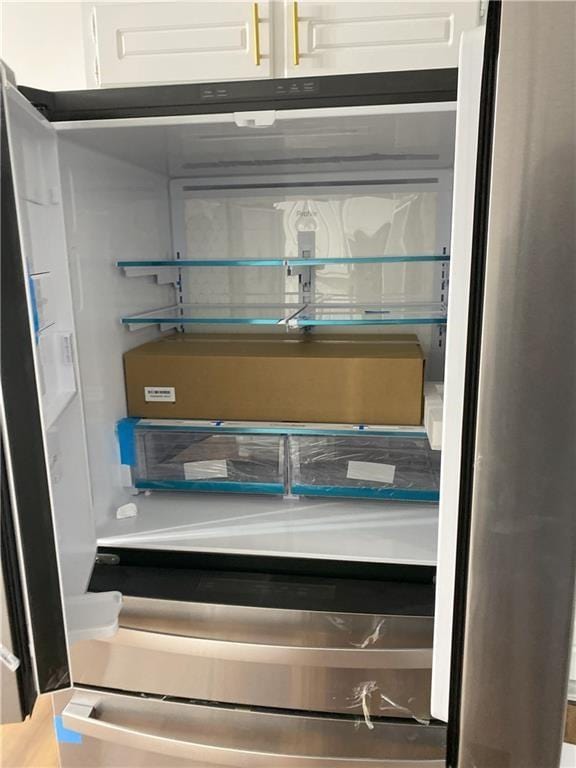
162, 275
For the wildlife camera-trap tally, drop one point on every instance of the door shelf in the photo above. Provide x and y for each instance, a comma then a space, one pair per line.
291, 315
136, 267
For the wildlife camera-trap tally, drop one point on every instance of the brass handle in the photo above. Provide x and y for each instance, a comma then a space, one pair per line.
296, 36
256, 32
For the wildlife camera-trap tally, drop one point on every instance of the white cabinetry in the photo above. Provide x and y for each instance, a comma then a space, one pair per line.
140, 43
170, 42
330, 38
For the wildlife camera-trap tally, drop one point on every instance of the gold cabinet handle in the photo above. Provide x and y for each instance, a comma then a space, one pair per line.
295, 34
256, 32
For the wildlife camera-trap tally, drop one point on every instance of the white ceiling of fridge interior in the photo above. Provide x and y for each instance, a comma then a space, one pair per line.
391, 138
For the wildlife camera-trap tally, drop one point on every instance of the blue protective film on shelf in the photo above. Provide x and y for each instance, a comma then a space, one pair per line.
65, 735
216, 428
125, 431
372, 319
392, 259
397, 494
209, 485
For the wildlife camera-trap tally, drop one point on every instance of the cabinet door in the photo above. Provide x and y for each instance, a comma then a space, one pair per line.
147, 43
331, 38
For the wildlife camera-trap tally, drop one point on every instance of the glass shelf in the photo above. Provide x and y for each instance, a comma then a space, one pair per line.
216, 314
433, 313
317, 262
292, 315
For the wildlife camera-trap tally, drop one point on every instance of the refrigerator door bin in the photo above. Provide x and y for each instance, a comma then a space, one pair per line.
380, 467
117, 730
319, 661
178, 459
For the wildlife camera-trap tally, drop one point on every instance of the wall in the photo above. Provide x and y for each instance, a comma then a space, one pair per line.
44, 43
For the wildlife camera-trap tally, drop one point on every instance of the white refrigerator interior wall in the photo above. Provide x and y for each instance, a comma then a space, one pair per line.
115, 210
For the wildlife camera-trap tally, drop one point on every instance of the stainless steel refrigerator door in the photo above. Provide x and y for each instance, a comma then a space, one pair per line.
31, 575
10, 702
521, 557
104, 729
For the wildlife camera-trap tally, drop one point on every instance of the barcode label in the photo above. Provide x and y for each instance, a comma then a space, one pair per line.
160, 394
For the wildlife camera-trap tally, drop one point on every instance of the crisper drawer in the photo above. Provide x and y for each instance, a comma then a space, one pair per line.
118, 731
372, 466
178, 459
291, 659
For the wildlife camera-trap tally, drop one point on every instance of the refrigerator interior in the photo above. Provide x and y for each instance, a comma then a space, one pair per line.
229, 187
378, 181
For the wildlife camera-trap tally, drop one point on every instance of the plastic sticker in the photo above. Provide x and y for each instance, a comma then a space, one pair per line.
126, 510
160, 394
205, 470
371, 471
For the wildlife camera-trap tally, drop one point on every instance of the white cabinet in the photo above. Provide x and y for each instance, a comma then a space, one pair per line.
155, 43
330, 38
140, 43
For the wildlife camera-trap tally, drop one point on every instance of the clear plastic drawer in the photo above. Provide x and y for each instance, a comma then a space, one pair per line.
384, 467
181, 459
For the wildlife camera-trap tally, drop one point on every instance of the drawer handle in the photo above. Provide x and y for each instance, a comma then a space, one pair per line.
80, 717
256, 32
346, 658
295, 34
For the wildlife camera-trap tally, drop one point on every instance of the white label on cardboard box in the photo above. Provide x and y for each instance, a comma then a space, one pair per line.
371, 471
213, 469
160, 394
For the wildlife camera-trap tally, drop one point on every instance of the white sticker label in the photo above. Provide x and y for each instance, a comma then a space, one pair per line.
371, 470
160, 394
213, 469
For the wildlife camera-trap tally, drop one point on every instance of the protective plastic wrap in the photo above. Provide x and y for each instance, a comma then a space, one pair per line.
293, 459
185, 460
372, 467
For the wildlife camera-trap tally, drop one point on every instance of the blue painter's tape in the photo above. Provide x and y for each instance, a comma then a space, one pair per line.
228, 486
35, 315
362, 492
125, 431
65, 735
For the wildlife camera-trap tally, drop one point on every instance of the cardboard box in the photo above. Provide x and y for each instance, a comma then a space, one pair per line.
351, 379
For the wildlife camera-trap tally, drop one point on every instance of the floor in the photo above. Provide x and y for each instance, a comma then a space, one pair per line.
30, 744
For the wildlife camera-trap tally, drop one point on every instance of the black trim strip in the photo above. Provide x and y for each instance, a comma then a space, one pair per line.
473, 349
25, 445
411, 87
270, 564
266, 590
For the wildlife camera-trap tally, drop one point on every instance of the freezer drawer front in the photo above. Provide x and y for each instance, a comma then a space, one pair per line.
305, 660
105, 729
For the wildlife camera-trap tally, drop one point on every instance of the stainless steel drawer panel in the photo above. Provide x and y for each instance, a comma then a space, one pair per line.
117, 730
264, 657
276, 626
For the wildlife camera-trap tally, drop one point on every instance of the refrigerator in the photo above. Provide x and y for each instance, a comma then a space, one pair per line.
310, 625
